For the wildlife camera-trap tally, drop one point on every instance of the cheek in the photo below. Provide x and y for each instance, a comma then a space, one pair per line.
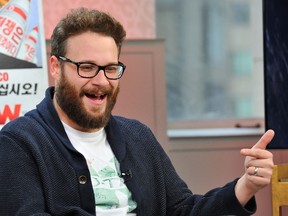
74, 82
115, 84
116, 90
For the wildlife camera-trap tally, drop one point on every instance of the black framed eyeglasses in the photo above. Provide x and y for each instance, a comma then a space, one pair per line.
90, 70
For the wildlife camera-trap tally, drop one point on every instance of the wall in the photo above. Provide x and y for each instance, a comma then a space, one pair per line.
132, 14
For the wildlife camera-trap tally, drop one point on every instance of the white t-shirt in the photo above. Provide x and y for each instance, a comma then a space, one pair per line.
111, 194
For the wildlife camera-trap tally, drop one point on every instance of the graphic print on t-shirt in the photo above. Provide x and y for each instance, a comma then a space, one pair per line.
109, 189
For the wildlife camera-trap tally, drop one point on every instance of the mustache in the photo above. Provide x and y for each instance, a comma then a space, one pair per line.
103, 90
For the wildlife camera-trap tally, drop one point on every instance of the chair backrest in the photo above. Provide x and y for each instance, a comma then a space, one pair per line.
279, 185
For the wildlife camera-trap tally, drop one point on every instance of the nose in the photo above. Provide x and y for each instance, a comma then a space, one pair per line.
100, 78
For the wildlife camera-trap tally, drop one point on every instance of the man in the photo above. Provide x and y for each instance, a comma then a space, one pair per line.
69, 156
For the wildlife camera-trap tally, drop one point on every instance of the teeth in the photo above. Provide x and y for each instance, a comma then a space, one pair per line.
98, 97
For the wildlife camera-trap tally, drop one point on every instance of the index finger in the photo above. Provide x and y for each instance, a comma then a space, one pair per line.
264, 140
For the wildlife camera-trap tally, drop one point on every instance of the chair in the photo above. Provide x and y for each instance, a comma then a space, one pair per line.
279, 185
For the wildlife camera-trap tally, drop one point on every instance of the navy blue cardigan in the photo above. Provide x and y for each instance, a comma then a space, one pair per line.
42, 174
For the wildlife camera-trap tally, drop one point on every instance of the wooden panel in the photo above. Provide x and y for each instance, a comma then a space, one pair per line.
142, 87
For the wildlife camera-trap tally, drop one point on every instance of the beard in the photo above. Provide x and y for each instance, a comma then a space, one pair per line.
70, 102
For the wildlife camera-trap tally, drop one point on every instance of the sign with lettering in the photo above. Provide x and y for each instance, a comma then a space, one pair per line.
23, 65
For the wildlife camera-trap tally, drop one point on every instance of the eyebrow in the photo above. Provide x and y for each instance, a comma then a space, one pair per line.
92, 62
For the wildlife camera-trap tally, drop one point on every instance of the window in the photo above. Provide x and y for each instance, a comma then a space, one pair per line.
214, 62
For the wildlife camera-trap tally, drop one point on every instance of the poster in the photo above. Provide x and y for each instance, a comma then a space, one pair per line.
23, 61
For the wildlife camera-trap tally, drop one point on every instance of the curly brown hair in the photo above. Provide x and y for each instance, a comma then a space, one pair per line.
81, 20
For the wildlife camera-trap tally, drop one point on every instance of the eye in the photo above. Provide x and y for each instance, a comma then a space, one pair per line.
88, 67
111, 69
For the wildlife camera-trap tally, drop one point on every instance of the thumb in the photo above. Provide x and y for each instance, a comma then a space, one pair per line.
264, 140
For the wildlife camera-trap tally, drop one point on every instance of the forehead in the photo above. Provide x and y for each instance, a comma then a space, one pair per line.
91, 43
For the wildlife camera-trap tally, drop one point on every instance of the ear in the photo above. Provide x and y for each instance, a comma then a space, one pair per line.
55, 67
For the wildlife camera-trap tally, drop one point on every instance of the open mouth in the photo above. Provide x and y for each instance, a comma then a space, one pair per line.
95, 97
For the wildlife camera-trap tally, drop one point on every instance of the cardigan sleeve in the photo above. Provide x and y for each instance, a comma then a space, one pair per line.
218, 201
20, 184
